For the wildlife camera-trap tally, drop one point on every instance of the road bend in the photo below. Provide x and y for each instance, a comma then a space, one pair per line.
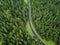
30, 23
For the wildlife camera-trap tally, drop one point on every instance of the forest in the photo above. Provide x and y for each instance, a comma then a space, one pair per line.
45, 17
13, 18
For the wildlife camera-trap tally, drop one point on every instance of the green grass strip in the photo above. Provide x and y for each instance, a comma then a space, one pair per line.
26, 1
0, 42
28, 29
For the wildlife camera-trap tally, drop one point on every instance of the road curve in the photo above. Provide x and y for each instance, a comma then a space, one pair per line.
38, 38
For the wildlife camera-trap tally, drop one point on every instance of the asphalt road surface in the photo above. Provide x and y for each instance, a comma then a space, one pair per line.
31, 24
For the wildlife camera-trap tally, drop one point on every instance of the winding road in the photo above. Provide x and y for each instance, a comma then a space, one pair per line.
31, 26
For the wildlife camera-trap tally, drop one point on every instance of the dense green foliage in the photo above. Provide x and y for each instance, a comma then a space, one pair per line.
46, 18
13, 18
